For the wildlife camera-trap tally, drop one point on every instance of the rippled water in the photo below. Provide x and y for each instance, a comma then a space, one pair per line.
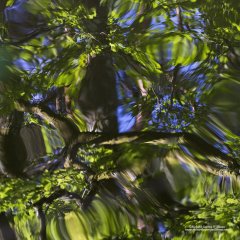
119, 119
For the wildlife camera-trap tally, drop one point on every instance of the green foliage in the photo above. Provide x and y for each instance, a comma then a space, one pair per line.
27, 225
19, 195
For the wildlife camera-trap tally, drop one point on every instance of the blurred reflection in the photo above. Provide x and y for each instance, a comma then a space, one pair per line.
119, 119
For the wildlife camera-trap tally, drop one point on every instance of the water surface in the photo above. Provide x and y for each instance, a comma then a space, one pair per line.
119, 119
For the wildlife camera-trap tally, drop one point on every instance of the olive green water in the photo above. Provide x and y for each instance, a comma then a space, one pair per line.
119, 119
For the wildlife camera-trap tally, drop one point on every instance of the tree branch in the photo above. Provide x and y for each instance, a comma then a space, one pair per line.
59, 193
67, 128
34, 34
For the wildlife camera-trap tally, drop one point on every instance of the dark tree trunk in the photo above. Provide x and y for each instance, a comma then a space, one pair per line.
19, 145
98, 94
14, 154
6, 232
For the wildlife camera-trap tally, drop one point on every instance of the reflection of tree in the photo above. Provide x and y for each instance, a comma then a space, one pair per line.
71, 59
